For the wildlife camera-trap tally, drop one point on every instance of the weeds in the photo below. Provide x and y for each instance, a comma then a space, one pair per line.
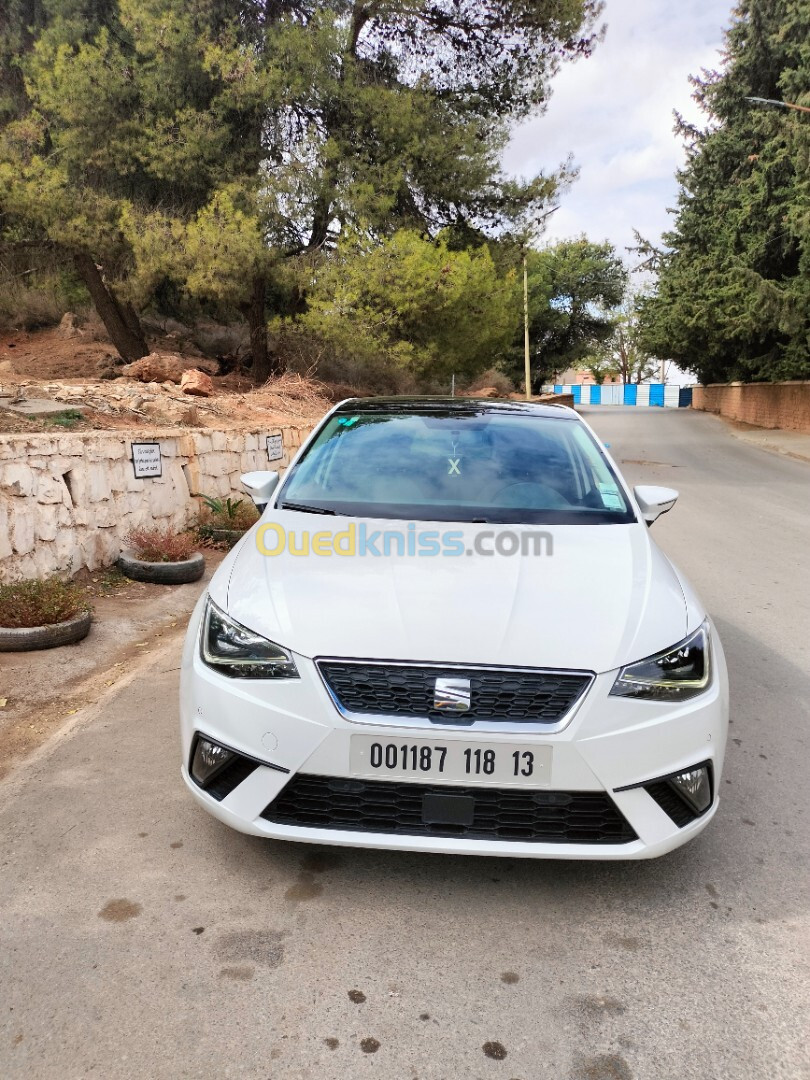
24, 604
236, 514
160, 545
66, 419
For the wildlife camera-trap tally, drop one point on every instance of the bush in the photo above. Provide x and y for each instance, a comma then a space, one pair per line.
237, 514
357, 371
24, 604
38, 300
160, 545
502, 383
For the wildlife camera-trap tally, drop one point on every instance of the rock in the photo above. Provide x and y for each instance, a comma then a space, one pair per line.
196, 382
6, 368
157, 367
69, 326
106, 369
165, 367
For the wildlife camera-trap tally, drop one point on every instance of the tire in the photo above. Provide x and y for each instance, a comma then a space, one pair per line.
231, 537
162, 573
45, 637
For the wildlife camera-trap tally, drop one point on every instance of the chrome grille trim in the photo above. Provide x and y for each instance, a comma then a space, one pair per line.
455, 722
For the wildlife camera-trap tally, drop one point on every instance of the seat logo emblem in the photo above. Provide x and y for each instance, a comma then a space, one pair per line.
452, 695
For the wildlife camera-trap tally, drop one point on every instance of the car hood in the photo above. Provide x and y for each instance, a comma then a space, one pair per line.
606, 596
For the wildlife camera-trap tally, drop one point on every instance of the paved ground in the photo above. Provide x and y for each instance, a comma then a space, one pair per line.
140, 938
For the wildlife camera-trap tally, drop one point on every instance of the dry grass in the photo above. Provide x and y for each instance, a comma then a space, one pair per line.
25, 604
291, 394
160, 545
502, 383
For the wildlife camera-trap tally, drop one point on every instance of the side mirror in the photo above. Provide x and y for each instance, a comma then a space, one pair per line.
654, 501
260, 486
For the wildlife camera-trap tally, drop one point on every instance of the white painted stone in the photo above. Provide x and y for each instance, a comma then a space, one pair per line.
23, 533
50, 489
72, 446
43, 530
47, 522
17, 479
98, 482
5, 531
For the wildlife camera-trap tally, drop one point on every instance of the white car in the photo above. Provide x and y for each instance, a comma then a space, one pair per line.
451, 631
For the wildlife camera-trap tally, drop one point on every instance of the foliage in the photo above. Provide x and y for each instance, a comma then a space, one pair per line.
68, 418
574, 288
25, 604
495, 378
160, 545
199, 142
623, 353
412, 301
733, 297
600, 368
228, 513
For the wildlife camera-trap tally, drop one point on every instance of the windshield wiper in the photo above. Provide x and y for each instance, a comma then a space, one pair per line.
306, 509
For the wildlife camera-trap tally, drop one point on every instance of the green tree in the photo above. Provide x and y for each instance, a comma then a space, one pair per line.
574, 288
733, 296
413, 303
623, 352
168, 132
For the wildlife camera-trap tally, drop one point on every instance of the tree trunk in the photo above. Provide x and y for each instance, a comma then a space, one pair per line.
121, 321
264, 366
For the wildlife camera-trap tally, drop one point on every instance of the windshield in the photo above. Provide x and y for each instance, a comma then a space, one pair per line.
445, 466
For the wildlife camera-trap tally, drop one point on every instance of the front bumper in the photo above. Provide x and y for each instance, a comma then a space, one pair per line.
610, 745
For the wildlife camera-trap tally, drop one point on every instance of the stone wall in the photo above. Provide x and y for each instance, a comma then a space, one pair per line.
68, 500
783, 405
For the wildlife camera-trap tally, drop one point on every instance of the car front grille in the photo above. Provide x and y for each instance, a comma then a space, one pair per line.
373, 806
517, 695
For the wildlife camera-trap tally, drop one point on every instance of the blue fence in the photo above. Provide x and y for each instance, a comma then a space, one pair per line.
657, 394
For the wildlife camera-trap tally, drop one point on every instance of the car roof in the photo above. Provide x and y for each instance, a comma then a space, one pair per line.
461, 407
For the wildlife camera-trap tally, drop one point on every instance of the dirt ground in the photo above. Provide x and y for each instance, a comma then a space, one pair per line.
41, 691
47, 364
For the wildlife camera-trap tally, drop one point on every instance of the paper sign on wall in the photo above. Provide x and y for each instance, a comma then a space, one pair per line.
146, 460
275, 448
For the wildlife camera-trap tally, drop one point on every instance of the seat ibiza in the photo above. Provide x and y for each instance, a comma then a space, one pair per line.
452, 631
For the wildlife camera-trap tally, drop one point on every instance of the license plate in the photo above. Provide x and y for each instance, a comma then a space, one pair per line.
451, 761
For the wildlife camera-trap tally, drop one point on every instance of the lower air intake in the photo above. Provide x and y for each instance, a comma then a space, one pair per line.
404, 809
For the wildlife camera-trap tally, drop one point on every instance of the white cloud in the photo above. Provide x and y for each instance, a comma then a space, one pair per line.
614, 113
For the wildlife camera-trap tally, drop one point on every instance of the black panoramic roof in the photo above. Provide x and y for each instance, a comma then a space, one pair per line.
460, 407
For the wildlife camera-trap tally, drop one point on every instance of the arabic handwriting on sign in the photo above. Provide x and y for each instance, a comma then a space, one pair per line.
454, 469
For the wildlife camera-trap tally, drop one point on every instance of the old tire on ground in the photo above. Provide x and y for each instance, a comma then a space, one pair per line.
162, 573
231, 537
28, 638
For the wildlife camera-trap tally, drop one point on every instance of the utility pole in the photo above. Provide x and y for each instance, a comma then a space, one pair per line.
526, 361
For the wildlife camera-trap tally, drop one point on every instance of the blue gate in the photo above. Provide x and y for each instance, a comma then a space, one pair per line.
657, 394
630, 393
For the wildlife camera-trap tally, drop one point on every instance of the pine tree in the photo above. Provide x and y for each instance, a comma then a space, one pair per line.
733, 296
203, 141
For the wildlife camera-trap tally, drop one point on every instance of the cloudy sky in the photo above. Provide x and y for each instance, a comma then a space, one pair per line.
613, 112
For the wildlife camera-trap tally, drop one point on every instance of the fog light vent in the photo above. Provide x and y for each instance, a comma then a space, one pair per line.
695, 788
208, 759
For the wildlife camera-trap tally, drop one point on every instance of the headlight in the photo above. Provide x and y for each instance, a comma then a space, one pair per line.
682, 672
239, 653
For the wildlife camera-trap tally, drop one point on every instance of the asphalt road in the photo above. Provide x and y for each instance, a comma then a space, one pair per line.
141, 938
